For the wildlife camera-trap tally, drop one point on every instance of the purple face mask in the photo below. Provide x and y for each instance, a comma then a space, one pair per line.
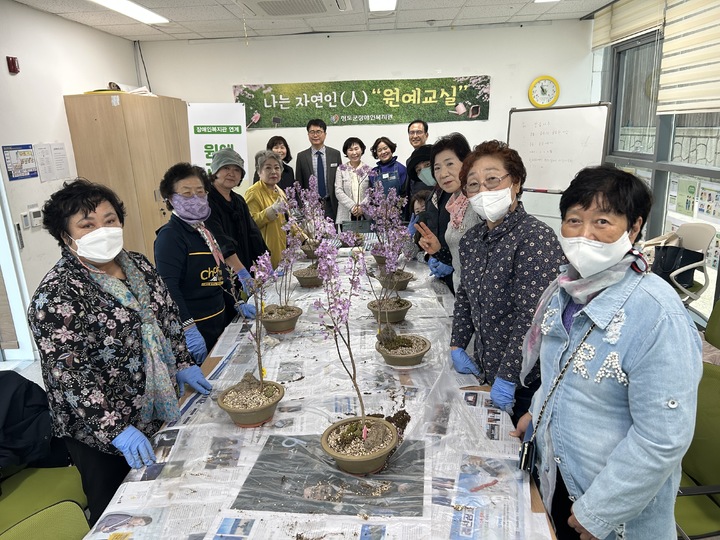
191, 209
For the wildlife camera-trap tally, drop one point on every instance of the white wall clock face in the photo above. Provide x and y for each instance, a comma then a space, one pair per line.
544, 91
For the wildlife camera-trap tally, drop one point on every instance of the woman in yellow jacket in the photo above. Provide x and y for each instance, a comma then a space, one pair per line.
266, 200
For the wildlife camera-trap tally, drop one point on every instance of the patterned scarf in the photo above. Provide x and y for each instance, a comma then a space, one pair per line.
581, 290
456, 207
211, 243
160, 400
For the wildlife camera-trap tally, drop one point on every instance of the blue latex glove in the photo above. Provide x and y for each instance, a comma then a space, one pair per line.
279, 273
246, 310
463, 363
196, 344
503, 395
246, 281
411, 226
193, 377
439, 269
135, 447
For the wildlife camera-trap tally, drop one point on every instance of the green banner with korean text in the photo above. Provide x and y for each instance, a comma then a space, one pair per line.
401, 101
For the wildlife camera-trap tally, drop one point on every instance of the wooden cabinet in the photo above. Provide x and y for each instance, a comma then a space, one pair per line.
127, 142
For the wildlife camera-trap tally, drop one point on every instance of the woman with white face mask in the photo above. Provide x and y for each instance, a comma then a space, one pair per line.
621, 361
112, 351
506, 262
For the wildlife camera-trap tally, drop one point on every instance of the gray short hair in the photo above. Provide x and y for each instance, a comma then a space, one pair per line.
263, 155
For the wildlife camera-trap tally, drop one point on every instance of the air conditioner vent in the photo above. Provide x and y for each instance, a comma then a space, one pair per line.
290, 8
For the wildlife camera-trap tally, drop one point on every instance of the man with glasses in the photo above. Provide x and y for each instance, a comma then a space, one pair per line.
418, 133
322, 162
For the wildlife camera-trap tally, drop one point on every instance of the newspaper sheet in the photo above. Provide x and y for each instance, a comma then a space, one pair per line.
454, 475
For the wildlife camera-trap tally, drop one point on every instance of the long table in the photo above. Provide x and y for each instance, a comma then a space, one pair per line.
454, 475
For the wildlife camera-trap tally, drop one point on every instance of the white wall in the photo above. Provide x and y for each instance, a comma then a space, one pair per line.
512, 56
57, 57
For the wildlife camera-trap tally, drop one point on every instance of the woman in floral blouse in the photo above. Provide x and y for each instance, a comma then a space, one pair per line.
111, 344
507, 260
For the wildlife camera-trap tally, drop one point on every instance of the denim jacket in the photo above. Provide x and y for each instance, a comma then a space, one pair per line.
623, 416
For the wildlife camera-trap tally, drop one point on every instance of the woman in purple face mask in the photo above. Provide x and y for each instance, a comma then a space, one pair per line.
190, 261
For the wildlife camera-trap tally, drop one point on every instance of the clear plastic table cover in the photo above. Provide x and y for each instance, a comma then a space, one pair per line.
454, 475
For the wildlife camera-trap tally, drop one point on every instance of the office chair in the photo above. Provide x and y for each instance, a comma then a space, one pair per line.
697, 507
43, 503
695, 237
712, 328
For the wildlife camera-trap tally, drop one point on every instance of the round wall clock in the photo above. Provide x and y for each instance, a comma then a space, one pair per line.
544, 91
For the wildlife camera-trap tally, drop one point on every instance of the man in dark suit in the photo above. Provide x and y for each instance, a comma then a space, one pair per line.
319, 158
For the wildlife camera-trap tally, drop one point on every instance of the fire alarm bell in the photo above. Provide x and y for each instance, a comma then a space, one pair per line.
13, 64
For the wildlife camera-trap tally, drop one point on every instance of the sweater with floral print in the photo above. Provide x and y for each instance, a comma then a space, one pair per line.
91, 351
504, 271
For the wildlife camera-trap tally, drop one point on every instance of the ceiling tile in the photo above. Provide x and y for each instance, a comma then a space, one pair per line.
160, 37
198, 13
495, 3
411, 5
277, 24
98, 18
423, 15
220, 19
531, 8
228, 35
349, 19
171, 28
384, 25
130, 29
227, 25
332, 29
154, 4
63, 6
505, 10
436, 24
483, 21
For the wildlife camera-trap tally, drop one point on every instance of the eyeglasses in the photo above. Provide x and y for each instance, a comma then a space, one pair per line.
316, 132
417, 132
473, 186
188, 194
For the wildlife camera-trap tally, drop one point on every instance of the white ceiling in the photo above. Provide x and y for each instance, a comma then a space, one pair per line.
218, 19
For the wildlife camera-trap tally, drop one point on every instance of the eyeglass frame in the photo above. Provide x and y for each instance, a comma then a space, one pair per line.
316, 131
482, 183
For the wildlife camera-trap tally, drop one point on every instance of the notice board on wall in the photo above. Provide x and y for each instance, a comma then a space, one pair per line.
554, 145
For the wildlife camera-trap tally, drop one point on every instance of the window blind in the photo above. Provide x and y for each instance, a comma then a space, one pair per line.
626, 19
690, 67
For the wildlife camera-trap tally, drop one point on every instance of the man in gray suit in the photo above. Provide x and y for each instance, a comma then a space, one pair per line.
319, 159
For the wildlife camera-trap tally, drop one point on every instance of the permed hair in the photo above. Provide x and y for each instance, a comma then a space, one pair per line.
79, 195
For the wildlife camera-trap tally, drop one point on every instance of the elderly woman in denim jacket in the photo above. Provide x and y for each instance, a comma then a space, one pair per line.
611, 437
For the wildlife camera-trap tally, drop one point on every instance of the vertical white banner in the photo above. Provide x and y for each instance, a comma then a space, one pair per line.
214, 126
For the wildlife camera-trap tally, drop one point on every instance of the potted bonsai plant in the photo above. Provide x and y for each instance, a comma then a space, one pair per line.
252, 401
307, 216
392, 238
281, 318
360, 444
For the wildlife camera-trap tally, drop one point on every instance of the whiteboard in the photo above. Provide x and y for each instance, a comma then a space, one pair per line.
556, 143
